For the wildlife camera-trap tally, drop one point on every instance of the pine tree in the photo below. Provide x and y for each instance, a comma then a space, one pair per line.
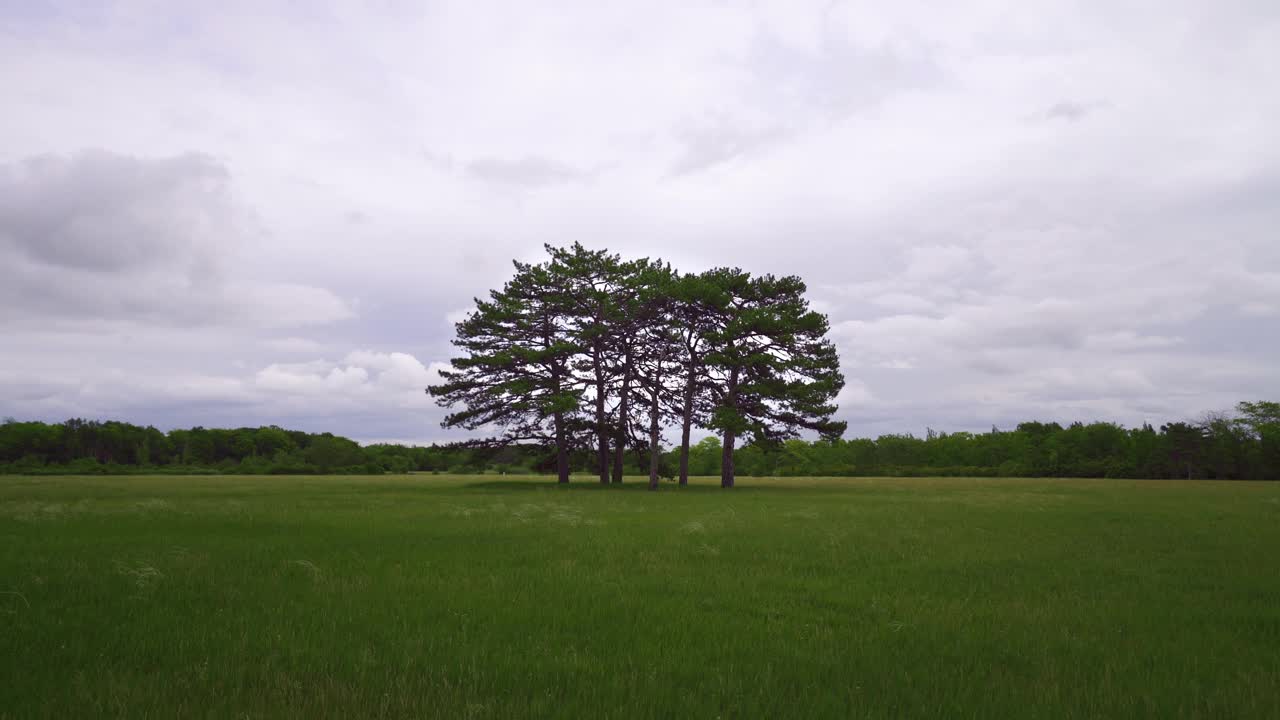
655, 356
515, 371
592, 283
694, 300
771, 369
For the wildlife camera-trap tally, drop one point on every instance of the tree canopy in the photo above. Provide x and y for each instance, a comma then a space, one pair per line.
633, 344
515, 373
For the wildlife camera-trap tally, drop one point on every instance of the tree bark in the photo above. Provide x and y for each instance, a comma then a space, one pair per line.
624, 408
654, 453
557, 379
726, 460
602, 426
730, 436
562, 454
686, 426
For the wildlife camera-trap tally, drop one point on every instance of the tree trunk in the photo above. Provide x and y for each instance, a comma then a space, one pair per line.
654, 453
730, 436
562, 454
685, 428
726, 460
602, 426
624, 408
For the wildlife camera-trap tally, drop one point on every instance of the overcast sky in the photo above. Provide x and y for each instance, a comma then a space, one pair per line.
241, 213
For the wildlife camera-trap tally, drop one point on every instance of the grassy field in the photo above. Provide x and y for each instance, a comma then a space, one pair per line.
445, 596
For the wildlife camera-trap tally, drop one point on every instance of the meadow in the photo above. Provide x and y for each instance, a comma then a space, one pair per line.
497, 597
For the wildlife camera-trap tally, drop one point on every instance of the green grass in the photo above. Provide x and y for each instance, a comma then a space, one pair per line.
426, 596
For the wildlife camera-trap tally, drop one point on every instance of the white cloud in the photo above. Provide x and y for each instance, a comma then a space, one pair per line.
314, 378
366, 380
397, 369
293, 345
1006, 211
372, 392
284, 305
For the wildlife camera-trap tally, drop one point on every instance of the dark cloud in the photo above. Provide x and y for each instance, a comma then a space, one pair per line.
530, 171
102, 236
837, 75
100, 211
1073, 111
706, 145
442, 162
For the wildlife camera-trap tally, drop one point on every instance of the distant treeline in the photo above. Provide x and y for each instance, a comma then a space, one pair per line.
1243, 446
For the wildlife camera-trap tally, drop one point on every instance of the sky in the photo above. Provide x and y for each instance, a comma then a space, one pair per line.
247, 213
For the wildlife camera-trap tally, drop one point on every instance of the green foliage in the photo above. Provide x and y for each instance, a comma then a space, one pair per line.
704, 457
515, 371
1243, 448
770, 368
89, 447
591, 350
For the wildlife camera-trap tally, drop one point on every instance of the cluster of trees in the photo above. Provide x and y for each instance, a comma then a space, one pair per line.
91, 447
589, 350
83, 446
1245, 445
